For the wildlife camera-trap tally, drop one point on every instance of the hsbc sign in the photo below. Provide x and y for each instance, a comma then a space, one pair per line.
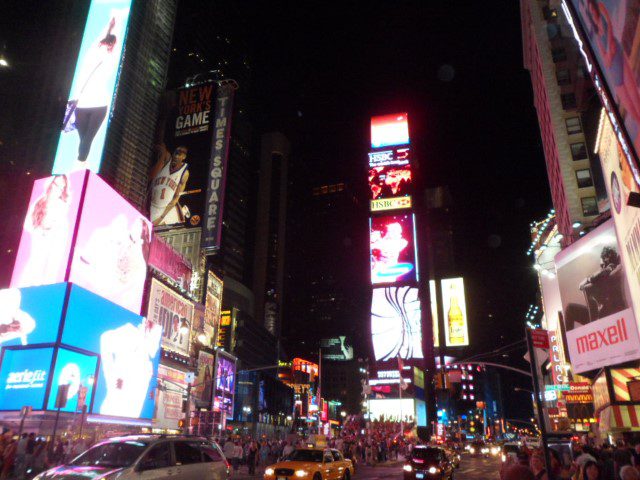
608, 341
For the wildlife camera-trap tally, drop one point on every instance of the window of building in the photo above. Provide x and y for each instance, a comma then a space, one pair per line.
558, 54
563, 76
573, 125
579, 151
584, 178
568, 101
589, 206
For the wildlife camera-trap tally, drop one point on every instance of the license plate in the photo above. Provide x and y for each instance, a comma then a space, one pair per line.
419, 475
281, 478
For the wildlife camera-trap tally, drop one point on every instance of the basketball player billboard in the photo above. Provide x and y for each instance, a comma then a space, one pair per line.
171, 311
94, 87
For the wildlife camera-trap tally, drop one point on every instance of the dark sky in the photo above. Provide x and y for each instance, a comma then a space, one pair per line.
457, 68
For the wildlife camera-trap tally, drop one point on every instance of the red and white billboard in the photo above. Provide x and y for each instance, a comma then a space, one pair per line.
601, 328
393, 249
167, 261
389, 130
170, 310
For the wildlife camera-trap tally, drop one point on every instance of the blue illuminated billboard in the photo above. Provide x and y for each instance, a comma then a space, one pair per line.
31, 315
79, 372
93, 88
23, 378
129, 349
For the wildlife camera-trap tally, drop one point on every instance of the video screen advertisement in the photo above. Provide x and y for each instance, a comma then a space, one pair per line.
225, 383
608, 27
24, 375
454, 304
392, 249
389, 130
109, 252
168, 310
390, 179
80, 372
620, 184
601, 328
396, 326
129, 350
93, 89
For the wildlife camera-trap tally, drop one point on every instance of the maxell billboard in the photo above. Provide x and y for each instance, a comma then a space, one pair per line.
212, 228
601, 328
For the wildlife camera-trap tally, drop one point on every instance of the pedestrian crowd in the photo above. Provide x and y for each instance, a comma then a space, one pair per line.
607, 462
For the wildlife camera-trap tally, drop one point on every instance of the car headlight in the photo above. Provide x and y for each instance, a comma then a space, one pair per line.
495, 451
485, 450
269, 471
504, 457
433, 470
301, 473
407, 468
472, 450
40, 476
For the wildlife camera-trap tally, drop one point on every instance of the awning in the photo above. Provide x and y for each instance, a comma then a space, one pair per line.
620, 417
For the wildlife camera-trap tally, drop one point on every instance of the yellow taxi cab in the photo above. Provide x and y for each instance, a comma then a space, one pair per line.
311, 464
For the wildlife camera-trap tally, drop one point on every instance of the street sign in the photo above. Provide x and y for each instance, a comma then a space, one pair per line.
540, 338
565, 387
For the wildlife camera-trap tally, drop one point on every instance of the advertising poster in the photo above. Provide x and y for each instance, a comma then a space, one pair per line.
620, 184
47, 233
112, 247
216, 175
224, 381
179, 177
93, 88
392, 249
23, 378
390, 179
389, 130
202, 391
213, 304
77, 370
456, 332
336, 349
225, 332
396, 325
129, 349
168, 309
172, 388
610, 28
164, 259
31, 315
601, 328
433, 298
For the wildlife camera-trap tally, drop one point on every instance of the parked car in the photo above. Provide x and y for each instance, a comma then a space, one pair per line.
146, 456
429, 463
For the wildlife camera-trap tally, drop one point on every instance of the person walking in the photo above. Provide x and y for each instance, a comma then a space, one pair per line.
252, 457
8, 457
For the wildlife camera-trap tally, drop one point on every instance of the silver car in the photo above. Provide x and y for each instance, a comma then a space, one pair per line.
146, 457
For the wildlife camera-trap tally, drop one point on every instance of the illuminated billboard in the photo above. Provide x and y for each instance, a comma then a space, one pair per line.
31, 315
170, 311
213, 304
396, 325
203, 387
434, 313
596, 302
129, 349
47, 233
389, 130
172, 387
225, 376
164, 259
390, 180
454, 305
109, 251
77, 370
93, 88
336, 349
23, 377
391, 409
392, 249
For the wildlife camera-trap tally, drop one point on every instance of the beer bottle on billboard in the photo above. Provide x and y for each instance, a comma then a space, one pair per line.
456, 320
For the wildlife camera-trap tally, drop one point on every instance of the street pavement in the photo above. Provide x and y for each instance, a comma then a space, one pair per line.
470, 469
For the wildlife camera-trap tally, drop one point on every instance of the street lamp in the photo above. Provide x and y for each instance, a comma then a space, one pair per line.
343, 414
3, 62
184, 326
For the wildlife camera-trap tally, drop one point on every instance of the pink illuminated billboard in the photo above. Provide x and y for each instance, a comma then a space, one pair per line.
392, 249
389, 130
45, 245
112, 246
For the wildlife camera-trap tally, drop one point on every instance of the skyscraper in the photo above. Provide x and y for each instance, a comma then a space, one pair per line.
567, 111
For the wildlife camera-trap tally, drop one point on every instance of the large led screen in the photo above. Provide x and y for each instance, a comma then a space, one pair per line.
47, 233
170, 310
93, 87
389, 130
31, 315
23, 378
112, 246
396, 326
389, 182
392, 249
599, 320
456, 332
129, 349
611, 27
225, 373
79, 372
